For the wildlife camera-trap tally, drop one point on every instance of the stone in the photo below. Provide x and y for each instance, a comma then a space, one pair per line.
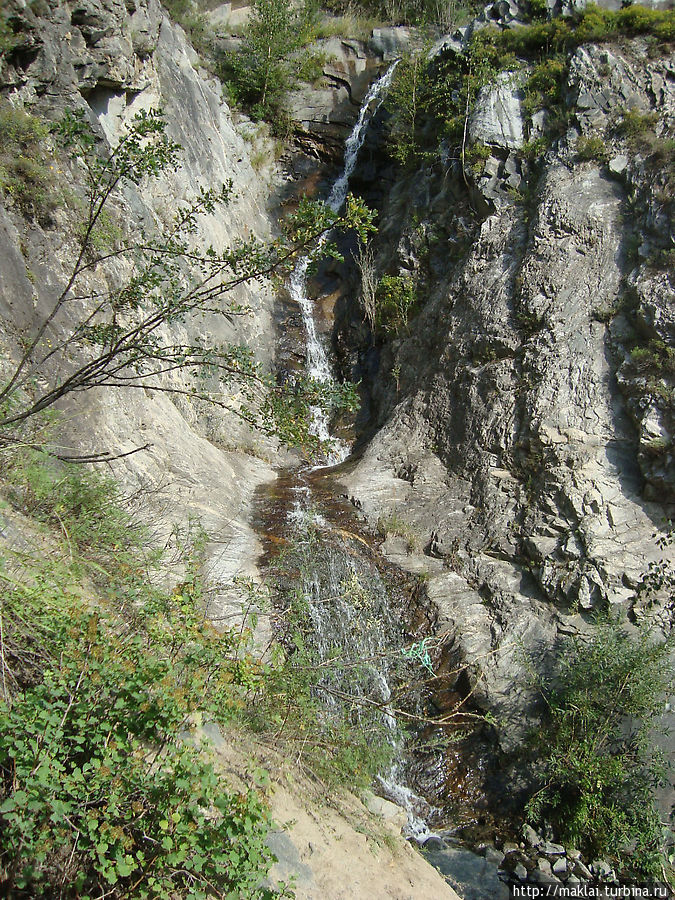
560, 867
497, 117
494, 856
390, 812
390, 42
618, 164
520, 872
434, 843
543, 865
551, 849
532, 839
602, 870
540, 875
582, 870
472, 876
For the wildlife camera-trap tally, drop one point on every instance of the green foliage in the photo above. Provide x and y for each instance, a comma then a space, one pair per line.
396, 299
26, 163
124, 344
394, 524
533, 149
538, 9
311, 65
83, 504
349, 24
476, 156
592, 148
264, 69
98, 793
590, 24
655, 358
599, 763
633, 123
406, 100
443, 91
104, 236
544, 85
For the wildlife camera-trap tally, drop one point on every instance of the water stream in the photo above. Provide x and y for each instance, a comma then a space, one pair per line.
348, 603
318, 366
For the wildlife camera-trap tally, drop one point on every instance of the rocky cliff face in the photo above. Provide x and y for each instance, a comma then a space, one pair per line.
519, 437
111, 60
521, 427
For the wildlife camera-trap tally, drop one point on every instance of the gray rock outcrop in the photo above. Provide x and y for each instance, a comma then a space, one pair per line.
110, 60
520, 443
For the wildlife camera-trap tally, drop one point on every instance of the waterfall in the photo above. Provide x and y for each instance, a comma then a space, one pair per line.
318, 366
347, 603
354, 626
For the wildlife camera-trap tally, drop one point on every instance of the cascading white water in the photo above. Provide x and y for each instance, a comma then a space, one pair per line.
318, 366
349, 609
348, 614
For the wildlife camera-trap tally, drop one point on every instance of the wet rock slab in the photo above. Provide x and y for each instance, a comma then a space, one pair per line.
472, 876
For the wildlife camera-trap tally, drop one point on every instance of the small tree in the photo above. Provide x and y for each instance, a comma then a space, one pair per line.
600, 765
262, 68
396, 297
122, 337
406, 101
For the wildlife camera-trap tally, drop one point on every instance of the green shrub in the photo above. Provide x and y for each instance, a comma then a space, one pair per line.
532, 150
395, 299
310, 66
26, 163
394, 524
81, 504
476, 156
543, 88
98, 793
447, 15
599, 764
634, 123
538, 9
592, 148
264, 69
656, 358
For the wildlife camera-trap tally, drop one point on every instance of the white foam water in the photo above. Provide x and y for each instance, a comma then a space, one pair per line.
318, 366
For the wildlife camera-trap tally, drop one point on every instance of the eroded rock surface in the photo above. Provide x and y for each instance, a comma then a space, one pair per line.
519, 441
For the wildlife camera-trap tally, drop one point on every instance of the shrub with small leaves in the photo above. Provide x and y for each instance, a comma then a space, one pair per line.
98, 795
598, 759
26, 163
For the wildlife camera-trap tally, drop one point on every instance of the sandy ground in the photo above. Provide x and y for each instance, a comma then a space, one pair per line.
330, 846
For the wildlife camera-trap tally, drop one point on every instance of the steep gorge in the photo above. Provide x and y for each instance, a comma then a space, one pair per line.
508, 432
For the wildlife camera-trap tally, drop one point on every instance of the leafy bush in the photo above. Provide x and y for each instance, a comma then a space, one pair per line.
98, 794
592, 148
634, 123
543, 88
395, 298
264, 69
476, 156
599, 763
656, 358
26, 164
83, 505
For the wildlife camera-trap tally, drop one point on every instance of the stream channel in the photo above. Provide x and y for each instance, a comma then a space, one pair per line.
367, 621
